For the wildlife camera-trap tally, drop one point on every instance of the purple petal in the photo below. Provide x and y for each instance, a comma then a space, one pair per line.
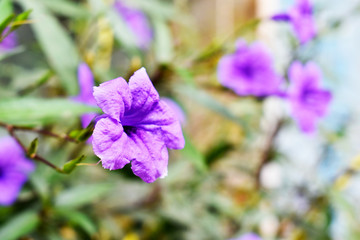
10, 189
163, 117
86, 83
179, 112
304, 29
8, 43
249, 71
87, 118
308, 112
10, 149
284, 17
295, 72
241, 45
313, 72
248, 236
226, 72
303, 21
138, 24
308, 101
111, 144
301, 77
14, 170
305, 119
113, 97
152, 156
144, 95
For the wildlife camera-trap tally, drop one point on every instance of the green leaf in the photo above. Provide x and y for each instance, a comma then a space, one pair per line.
66, 8
39, 82
5, 23
122, 32
23, 16
163, 41
19, 19
56, 44
208, 101
6, 9
33, 147
36, 111
82, 195
71, 165
194, 155
19, 225
185, 75
78, 219
156, 8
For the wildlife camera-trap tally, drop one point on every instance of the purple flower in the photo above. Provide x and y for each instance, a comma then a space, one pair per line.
301, 17
248, 236
137, 127
14, 170
249, 71
138, 24
308, 101
86, 83
177, 109
9, 42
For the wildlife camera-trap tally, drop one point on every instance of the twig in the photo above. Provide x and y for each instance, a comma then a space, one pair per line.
33, 156
39, 131
265, 156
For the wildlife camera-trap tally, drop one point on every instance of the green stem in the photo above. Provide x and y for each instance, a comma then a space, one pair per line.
11, 130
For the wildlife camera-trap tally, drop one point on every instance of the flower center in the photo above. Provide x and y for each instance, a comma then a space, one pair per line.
306, 9
2, 173
129, 129
248, 71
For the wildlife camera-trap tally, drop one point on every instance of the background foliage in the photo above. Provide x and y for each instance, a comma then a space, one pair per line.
238, 172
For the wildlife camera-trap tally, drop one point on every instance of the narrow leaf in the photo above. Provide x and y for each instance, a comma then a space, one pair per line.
163, 41
6, 9
78, 219
5, 23
19, 19
194, 155
82, 195
37, 111
56, 44
66, 8
19, 225
208, 101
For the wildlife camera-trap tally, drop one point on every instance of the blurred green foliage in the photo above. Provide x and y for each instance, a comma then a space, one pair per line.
211, 190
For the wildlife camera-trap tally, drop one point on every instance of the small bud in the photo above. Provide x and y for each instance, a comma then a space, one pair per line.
71, 165
33, 148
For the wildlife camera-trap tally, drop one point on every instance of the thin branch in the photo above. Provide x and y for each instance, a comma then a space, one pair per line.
40, 131
265, 156
33, 156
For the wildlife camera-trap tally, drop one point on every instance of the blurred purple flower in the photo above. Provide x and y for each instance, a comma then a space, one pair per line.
137, 127
137, 22
302, 19
86, 84
247, 236
249, 71
9, 42
177, 109
14, 170
308, 101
